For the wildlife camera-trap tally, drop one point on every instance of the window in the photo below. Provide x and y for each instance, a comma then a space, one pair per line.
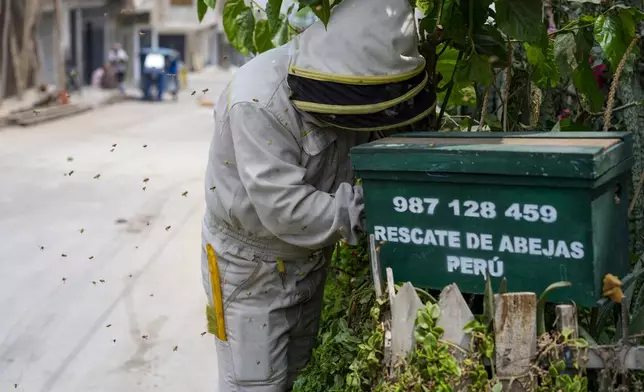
154, 61
181, 2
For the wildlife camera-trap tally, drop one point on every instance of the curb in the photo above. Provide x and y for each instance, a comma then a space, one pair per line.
111, 100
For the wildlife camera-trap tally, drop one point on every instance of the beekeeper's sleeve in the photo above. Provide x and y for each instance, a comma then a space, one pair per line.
267, 156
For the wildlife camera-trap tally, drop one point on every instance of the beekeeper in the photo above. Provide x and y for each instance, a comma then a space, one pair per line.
279, 187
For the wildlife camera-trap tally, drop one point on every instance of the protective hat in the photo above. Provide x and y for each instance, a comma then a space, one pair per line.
363, 72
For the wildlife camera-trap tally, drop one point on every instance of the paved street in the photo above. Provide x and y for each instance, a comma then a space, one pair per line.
100, 284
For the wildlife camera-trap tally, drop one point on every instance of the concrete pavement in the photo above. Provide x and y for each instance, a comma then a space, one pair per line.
100, 285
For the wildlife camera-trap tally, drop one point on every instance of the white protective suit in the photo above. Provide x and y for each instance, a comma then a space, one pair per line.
279, 178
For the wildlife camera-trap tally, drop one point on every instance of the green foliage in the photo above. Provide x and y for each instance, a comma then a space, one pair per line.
520, 19
614, 31
481, 36
541, 305
603, 325
545, 72
202, 8
349, 318
475, 68
555, 376
239, 25
350, 351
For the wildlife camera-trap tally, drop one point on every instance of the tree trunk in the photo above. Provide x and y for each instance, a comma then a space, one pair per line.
15, 57
59, 60
22, 51
630, 90
4, 47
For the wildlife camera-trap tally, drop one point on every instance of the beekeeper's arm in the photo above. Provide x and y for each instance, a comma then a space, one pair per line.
267, 157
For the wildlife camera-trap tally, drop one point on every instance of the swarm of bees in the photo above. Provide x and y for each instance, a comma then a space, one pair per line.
97, 176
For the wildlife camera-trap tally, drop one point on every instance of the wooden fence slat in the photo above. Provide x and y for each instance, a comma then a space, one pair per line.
567, 319
375, 266
455, 314
515, 330
631, 358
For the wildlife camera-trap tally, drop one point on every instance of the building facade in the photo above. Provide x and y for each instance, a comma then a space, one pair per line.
91, 27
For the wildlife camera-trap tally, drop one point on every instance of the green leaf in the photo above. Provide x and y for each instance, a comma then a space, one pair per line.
586, 19
552, 287
480, 11
545, 72
488, 301
323, 11
488, 41
585, 82
282, 36
202, 8
446, 62
586, 336
453, 22
263, 37
462, 95
425, 6
273, 8
564, 52
210, 3
612, 36
239, 25
541, 305
520, 19
503, 286
476, 68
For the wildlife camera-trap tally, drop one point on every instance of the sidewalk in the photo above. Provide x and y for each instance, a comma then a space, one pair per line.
89, 96
96, 97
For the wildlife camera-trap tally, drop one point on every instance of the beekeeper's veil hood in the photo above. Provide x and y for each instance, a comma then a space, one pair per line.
364, 72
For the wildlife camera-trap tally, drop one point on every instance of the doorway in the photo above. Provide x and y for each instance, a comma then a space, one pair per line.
93, 49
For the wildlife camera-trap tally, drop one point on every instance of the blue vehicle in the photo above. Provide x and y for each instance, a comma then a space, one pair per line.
156, 67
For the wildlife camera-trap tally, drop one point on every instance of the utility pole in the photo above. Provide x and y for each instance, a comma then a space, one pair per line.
158, 12
4, 47
59, 59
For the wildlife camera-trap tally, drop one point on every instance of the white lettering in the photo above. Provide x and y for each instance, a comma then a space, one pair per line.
472, 241
534, 246
562, 250
417, 236
486, 242
506, 245
454, 239
550, 250
480, 267
498, 271
380, 233
429, 238
466, 265
577, 250
392, 234
403, 233
442, 234
520, 245
532, 213
477, 267
452, 263
480, 241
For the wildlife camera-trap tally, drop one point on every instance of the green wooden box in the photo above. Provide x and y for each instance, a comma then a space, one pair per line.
535, 208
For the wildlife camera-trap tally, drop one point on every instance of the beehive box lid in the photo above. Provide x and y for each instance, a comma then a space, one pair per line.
586, 155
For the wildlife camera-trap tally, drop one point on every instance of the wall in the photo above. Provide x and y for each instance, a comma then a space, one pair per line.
46, 37
181, 16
